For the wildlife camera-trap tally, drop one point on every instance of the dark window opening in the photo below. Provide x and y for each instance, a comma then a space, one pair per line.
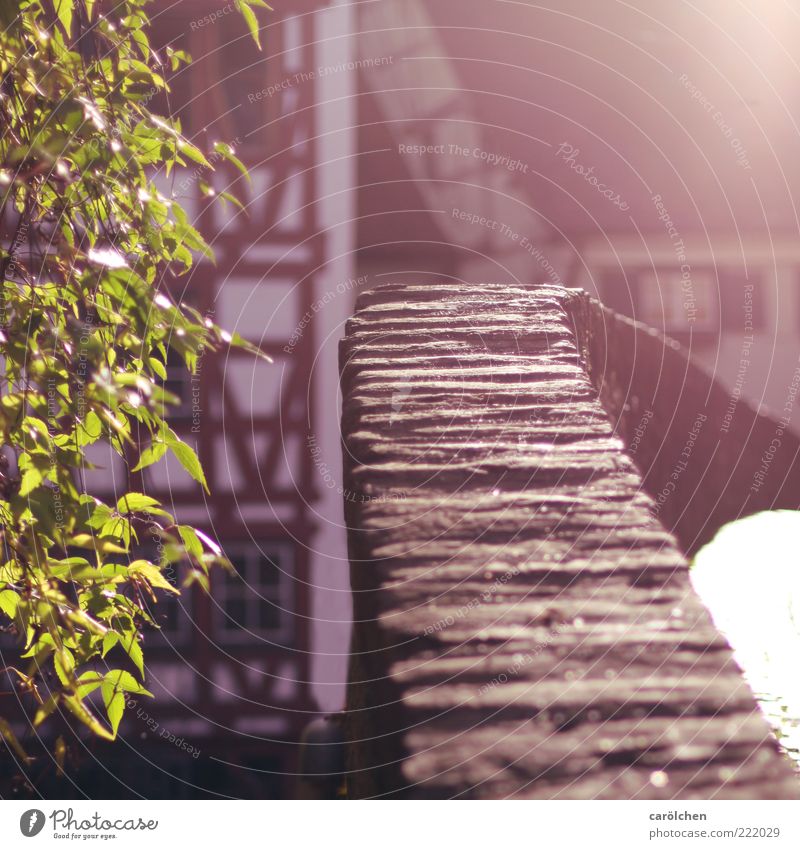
254, 599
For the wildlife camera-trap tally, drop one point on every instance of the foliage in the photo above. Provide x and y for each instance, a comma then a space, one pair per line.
89, 245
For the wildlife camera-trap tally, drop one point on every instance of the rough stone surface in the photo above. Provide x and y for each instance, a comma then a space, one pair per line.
524, 624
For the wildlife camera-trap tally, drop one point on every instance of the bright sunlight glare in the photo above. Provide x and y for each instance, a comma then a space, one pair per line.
749, 578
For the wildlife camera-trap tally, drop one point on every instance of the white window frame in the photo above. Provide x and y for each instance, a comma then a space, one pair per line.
281, 594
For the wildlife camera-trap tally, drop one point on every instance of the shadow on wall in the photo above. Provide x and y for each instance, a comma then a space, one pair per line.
706, 456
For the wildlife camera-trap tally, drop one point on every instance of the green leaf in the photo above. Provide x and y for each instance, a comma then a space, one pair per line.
136, 502
73, 569
194, 153
152, 454
41, 649
46, 709
79, 709
9, 600
123, 681
134, 650
64, 11
195, 576
81, 618
31, 478
226, 152
158, 367
152, 574
227, 197
191, 541
114, 701
251, 20
11, 739
109, 641
64, 664
90, 430
88, 683
12, 404
120, 529
100, 515
101, 546
237, 341
187, 458
115, 684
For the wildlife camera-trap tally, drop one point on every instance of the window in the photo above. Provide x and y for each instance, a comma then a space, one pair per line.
744, 305
231, 98
255, 599
675, 300
615, 290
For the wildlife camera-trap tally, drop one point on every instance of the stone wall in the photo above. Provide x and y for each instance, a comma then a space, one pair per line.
524, 625
706, 456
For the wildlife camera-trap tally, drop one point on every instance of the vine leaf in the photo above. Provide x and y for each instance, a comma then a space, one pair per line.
115, 684
11, 739
64, 12
186, 456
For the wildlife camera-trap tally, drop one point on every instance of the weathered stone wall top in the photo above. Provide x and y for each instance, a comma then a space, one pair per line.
524, 624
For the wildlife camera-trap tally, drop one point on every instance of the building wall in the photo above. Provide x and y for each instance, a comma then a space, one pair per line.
336, 287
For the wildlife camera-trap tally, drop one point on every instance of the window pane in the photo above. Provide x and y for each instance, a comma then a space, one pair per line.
268, 615
254, 597
269, 570
236, 610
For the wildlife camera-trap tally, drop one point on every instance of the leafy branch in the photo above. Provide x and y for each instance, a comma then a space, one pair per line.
88, 249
